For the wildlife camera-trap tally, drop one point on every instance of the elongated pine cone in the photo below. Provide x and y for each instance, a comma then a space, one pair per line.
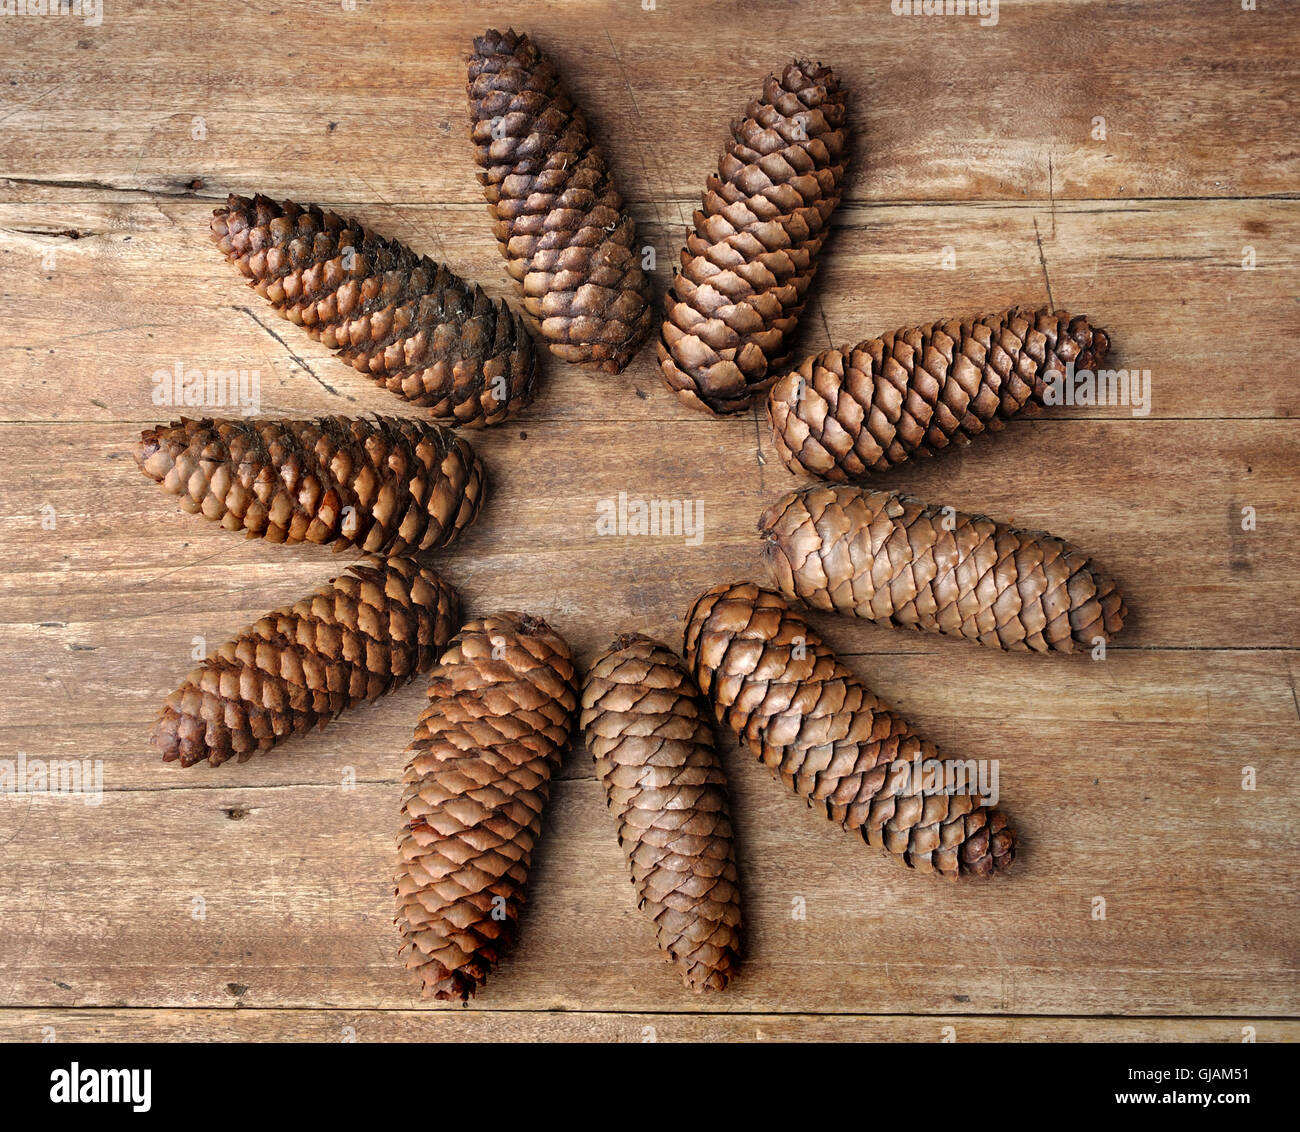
560, 221
500, 715
412, 324
355, 638
385, 484
818, 729
893, 559
747, 265
867, 408
648, 729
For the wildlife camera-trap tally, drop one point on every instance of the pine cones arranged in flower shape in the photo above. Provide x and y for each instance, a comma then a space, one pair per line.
413, 325
867, 408
648, 730
893, 559
748, 264
355, 638
501, 705
560, 221
387, 485
818, 729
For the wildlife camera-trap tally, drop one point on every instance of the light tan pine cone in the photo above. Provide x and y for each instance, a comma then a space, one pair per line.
647, 728
500, 714
568, 241
867, 408
388, 485
748, 264
355, 638
818, 729
412, 324
892, 559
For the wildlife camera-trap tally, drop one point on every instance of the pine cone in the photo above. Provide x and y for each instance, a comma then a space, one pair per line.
388, 484
499, 718
869, 407
648, 730
890, 558
412, 324
747, 265
819, 730
355, 638
560, 221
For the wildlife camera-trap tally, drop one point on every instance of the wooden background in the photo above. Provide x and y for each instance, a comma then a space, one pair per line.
1124, 777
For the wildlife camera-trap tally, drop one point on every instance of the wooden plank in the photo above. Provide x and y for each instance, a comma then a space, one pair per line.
243, 1025
296, 900
1195, 97
140, 289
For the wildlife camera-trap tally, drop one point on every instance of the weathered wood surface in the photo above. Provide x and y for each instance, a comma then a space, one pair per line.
1124, 776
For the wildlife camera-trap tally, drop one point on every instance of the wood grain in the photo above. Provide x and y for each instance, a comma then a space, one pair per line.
976, 184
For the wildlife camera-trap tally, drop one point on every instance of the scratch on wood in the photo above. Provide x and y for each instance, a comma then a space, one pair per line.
1051, 196
645, 168
323, 384
1043, 260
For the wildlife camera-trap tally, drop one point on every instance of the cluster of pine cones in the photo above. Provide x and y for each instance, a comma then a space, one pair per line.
505, 696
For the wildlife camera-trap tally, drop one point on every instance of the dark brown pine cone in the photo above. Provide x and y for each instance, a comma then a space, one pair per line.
569, 243
410, 323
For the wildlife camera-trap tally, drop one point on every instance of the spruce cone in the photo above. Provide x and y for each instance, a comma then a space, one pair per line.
747, 265
869, 407
893, 559
819, 730
388, 484
355, 638
412, 324
500, 713
648, 730
559, 219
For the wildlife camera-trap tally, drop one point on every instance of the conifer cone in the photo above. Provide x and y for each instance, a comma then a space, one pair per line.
867, 408
560, 221
385, 484
818, 729
355, 638
648, 730
412, 324
892, 559
500, 714
747, 265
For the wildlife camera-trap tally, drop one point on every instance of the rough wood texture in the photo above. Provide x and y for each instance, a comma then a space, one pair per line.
1125, 774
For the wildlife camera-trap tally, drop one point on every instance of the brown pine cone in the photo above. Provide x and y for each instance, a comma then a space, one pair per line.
385, 484
412, 324
499, 718
355, 638
747, 265
869, 407
648, 730
817, 728
560, 221
890, 558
